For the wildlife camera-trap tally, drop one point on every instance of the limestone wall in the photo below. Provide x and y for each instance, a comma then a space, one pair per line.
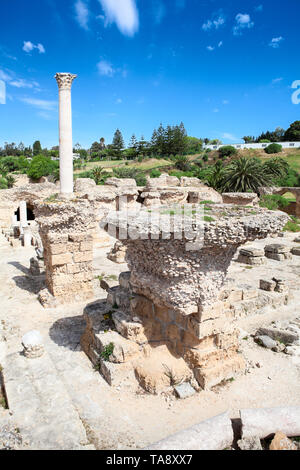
66, 229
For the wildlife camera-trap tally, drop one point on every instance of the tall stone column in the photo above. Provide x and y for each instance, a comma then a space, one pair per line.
64, 81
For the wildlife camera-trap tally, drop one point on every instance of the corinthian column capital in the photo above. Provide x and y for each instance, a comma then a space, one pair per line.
65, 80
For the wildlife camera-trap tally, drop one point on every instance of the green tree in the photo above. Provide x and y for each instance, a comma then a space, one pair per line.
245, 174
276, 167
273, 148
37, 148
117, 144
42, 166
293, 132
227, 151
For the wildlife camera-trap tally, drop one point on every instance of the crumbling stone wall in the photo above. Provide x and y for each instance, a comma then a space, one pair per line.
66, 230
174, 294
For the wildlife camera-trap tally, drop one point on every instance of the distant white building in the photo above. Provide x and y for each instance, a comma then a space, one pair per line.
285, 145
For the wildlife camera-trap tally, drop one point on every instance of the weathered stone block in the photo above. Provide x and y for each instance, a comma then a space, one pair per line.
268, 286
83, 256
142, 307
57, 260
86, 246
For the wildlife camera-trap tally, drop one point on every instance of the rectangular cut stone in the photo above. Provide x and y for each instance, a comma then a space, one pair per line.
268, 286
57, 260
86, 246
225, 370
59, 249
252, 252
83, 256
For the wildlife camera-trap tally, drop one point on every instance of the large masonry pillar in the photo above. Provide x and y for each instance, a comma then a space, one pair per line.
64, 81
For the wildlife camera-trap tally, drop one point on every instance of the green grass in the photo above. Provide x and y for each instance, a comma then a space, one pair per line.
145, 165
208, 219
292, 227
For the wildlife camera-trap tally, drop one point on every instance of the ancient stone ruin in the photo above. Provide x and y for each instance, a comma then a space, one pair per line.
171, 303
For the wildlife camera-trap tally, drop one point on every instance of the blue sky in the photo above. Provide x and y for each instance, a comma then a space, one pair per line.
223, 68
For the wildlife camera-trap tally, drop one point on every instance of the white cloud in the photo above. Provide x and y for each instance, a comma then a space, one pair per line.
211, 24
5, 76
276, 80
210, 48
259, 8
275, 42
122, 12
243, 21
82, 14
220, 44
119, 101
29, 47
228, 136
41, 48
21, 83
216, 110
105, 68
2, 92
225, 102
41, 104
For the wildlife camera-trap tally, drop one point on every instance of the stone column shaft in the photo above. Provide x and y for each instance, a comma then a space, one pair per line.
64, 81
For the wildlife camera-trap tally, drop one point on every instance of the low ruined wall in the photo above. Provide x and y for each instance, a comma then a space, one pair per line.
66, 229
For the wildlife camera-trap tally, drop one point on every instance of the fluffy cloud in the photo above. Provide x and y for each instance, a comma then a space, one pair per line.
214, 24
243, 21
122, 12
276, 80
5, 76
210, 48
21, 83
41, 104
228, 136
275, 42
82, 14
105, 68
29, 47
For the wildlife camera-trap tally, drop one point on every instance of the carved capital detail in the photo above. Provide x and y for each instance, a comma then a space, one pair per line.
65, 80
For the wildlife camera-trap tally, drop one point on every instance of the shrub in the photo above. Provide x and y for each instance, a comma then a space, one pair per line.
182, 163
97, 173
3, 183
227, 151
205, 158
155, 173
41, 166
22, 164
273, 202
292, 226
10, 181
273, 148
107, 351
134, 173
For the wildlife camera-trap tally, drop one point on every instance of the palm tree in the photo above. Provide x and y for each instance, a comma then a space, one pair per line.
97, 174
215, 177
277, 167
10, 181
245, 174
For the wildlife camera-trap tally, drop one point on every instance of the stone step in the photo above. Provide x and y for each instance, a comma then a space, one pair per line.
41, 406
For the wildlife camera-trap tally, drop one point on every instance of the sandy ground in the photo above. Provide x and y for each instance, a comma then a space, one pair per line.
122, 419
